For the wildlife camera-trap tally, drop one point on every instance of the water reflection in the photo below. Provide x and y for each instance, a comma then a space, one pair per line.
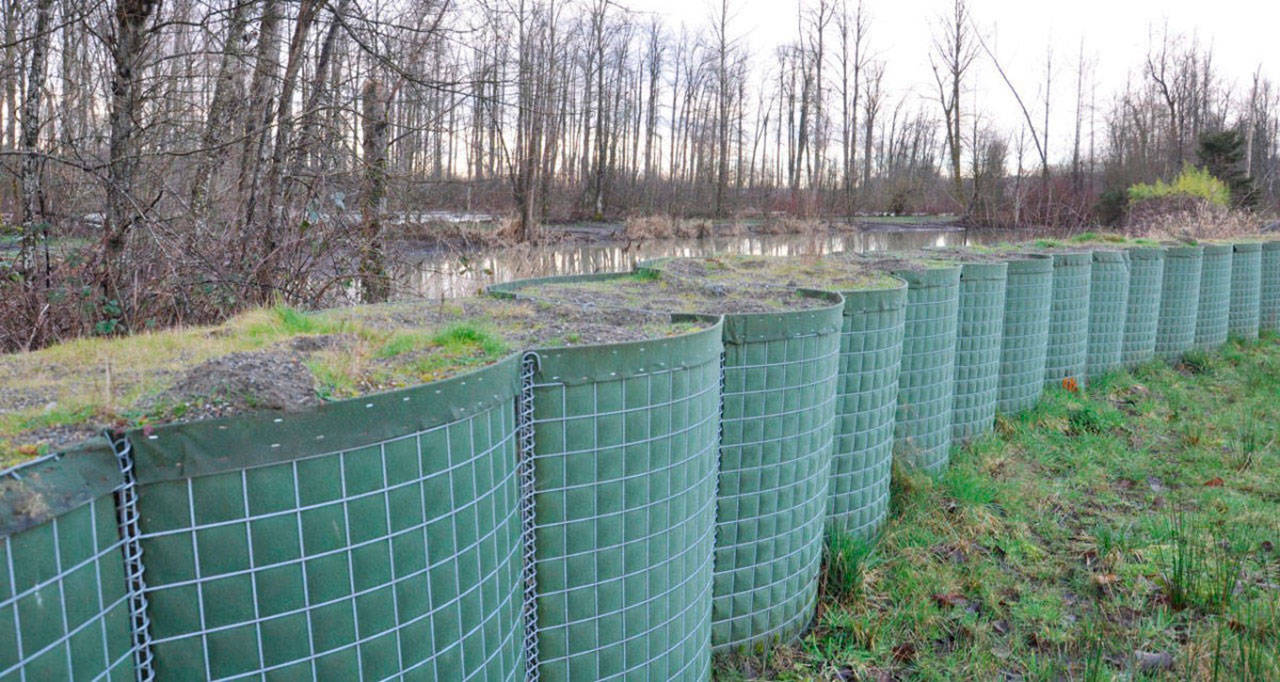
438, 274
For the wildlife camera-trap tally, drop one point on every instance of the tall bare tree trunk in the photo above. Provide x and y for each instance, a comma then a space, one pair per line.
123, 209
31, 122
375, 285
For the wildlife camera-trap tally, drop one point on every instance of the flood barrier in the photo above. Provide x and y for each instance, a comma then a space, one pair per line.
1067, 351
1246, 290
979, 331
66, 610
1028, 296
866, 402
1142, 314
564, 513
1179, 301
1269, 291
364, 539
1108, 308
1214, 308
926, 385
625, 455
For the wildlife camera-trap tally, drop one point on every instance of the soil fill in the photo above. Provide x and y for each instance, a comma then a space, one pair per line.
265, 380
671, 293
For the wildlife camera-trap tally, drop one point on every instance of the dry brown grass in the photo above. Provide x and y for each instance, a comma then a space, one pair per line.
666, 227
1197, 223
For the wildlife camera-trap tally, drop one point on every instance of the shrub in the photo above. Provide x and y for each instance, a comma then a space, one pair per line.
1192, 183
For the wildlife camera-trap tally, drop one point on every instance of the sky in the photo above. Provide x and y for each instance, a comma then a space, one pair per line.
1114, 34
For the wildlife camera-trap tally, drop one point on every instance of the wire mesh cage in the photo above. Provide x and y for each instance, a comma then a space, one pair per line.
1067, 351
366, 539
1214, 308
1179, 301
1024, 342
1108, 308
1246, 290
979, 333
1142, 314
926, 385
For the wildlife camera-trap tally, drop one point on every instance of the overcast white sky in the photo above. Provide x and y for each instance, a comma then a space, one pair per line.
1244, 34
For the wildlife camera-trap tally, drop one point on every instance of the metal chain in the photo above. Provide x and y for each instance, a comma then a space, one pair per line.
135, 582
524, 428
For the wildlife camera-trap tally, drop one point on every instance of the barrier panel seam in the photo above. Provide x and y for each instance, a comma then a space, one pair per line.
528, 517
136, 584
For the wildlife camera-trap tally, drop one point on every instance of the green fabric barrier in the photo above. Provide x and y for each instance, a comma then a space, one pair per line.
866, 401
922, 430
365, 539
64, 606
1028, 295
780, 379
1213, 312
1179, 301
1269, 292
1142, 315
1067, 352
1246, 287
979, 332
1108, 308
626, 449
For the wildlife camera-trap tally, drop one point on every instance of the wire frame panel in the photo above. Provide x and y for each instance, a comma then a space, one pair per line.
866, 402
1246, 290
775, 469
1108, 309
1179, 301
979, 331
1067, 352
926, 385
64, 604
399, 558
1028, 295
1142, 314
1213, 313
1269, 292
625, 463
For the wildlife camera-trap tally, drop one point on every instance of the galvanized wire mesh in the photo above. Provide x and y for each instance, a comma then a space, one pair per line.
401, 557
926, 385
1108, 308
1142, 315
775, 468
626, 475
1246, 289
1028, 295
1214, 309
1269, 296
65, 610
979, 332
866, 401
1179, 301
1067, 351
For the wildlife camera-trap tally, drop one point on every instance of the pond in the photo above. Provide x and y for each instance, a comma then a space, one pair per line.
449, 274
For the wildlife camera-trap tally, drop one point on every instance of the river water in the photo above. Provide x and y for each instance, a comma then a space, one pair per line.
445, 274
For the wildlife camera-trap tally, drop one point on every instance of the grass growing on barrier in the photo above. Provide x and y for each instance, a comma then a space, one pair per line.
1128, 532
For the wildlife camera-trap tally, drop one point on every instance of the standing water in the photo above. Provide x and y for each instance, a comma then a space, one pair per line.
449, 274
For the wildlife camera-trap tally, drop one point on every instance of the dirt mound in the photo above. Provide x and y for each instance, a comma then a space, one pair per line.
267, 380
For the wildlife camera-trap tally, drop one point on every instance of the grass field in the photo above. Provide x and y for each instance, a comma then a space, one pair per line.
1127, 533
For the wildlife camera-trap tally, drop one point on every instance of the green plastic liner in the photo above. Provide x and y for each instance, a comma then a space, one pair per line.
625, 443
1067, 352
1213, 313
365, 539
1142, 315
780, 377
1269, 298
922, 431
1028, 295
1108, 308
1179, 301
64, 607
1246, 287
979, 331
866, 401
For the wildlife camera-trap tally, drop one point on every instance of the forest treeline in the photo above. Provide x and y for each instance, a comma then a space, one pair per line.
170, 162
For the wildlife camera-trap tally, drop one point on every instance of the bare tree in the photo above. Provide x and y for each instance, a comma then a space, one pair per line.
954, 52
